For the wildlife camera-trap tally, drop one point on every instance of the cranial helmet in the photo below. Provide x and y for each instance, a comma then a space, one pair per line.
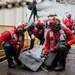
21, 27
68, 15
54, 24
51, 16
51, 23
21, 24
40, 24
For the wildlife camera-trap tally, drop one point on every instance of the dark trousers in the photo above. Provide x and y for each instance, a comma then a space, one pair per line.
62, 54
58, 57
32, 43
9, 53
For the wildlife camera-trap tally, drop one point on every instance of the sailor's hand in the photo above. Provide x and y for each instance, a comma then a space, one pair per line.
17, 47
32, 36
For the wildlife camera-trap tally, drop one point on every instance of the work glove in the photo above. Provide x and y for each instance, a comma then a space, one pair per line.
18, 45
44, 55
65, 44
53, 51
32, 36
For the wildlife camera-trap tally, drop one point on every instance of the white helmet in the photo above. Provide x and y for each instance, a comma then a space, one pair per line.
68, 15
21, 27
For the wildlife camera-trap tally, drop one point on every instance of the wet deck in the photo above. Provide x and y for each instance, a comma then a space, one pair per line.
70, 68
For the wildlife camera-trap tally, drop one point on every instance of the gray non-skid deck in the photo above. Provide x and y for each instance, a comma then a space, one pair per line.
70, 68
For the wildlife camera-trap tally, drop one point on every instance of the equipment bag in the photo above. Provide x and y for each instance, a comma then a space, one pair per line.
32, 58
51, 60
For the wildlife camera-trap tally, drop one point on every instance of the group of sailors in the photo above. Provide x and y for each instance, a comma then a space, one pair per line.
13, 39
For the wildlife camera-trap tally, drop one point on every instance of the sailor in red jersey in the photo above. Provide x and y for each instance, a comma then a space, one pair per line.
13, 42
59, 39
37, 29
69, 22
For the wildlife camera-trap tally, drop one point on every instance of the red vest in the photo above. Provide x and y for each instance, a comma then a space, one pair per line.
36, 32
68, 22
54, 39
16, 40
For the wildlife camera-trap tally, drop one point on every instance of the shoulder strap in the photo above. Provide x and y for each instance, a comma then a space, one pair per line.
62, 35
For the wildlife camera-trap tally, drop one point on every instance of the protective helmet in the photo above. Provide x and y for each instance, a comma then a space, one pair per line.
54, 24
51, 22
21, 27
21, 24
51, 16
68, 15
40, 24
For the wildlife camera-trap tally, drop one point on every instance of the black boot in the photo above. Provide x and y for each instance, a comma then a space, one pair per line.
59, 67
11, 65
44, 68
18, 63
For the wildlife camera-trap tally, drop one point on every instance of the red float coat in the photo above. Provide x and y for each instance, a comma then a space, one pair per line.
12, 37
32, 28
69, 23
53, 38
36, 32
